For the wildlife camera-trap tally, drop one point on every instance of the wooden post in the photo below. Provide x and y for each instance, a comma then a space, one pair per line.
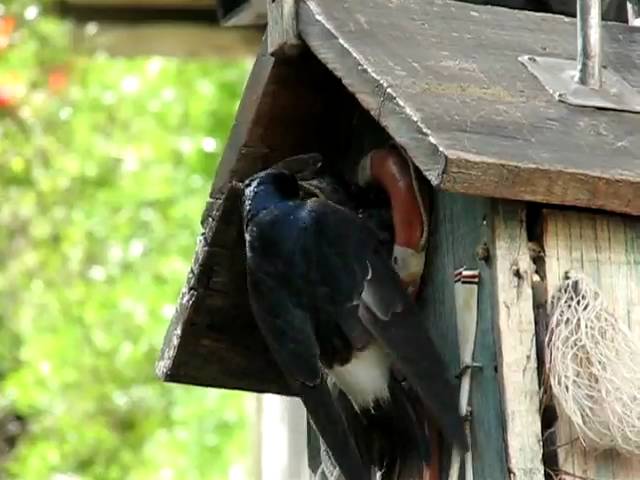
516, 347
282, 28
283, 444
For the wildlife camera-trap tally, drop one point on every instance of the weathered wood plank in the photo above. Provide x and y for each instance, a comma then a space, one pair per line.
212, 311
460, 224
516, 340
282, 27
147, 3
288, 106
443, 78
607, 249
250, 12
138, 13
283, 428
612, 10
172, 39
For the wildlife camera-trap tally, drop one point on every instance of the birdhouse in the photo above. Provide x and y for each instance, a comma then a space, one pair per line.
532, 166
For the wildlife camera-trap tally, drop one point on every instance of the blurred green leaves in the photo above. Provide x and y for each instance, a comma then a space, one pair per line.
102, 183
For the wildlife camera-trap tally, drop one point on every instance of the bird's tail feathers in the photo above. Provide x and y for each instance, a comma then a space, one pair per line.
392, 437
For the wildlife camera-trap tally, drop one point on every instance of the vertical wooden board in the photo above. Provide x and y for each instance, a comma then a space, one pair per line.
516, 340
460, 224
283, 431
605, 248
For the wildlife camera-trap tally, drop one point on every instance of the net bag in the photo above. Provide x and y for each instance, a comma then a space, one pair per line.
593, 367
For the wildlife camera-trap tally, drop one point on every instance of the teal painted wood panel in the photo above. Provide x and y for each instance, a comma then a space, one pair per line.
460, 224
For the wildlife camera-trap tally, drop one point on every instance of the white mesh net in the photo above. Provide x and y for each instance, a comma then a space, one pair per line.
593, 367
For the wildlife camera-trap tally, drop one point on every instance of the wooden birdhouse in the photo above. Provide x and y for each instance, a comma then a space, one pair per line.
534, 164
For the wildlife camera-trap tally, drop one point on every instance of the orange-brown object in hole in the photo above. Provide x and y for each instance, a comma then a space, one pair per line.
392, 172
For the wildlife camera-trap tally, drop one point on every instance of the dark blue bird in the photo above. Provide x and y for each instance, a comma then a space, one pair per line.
333, 310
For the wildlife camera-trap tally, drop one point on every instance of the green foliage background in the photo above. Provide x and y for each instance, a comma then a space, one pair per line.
101, 190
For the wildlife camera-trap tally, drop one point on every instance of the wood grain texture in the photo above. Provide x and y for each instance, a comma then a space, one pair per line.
516, 340
459, 225
607, 249
105, 12
147, 3
213, 339
289, 107
282, 27
443, 78
174, 39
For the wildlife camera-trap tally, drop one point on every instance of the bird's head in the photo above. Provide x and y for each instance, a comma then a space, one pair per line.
267, 189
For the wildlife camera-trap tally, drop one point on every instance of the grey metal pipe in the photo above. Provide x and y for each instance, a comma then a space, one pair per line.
589, 22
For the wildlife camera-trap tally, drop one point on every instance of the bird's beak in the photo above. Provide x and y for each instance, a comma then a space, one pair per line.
409, 264
393, 172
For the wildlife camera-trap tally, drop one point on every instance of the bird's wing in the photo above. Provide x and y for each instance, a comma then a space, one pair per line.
403, 331
287, 328
289, 334
387, 311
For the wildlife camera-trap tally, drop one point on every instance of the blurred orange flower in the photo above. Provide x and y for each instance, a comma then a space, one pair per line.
58, 79
7, 26
12, 89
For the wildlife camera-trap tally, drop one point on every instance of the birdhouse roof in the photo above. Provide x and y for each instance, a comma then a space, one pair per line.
444, 79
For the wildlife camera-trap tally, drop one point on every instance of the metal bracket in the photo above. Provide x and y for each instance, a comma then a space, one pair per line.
468, 366
558, 76
282, 28
585, 82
